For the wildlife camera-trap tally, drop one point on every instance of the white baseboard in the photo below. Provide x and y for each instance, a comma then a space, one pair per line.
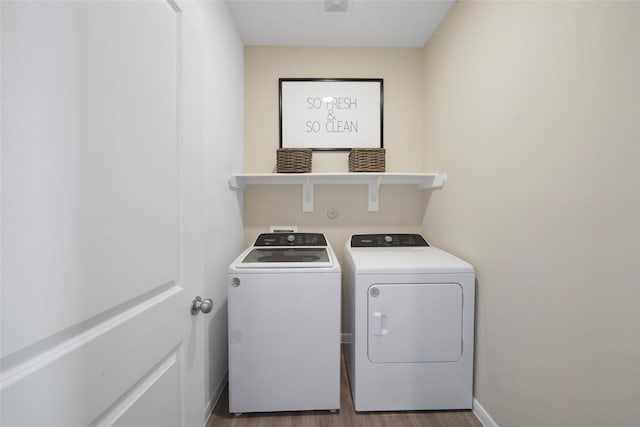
215, 396
483, 415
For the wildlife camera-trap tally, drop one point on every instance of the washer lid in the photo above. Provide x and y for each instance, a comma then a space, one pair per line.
286, 257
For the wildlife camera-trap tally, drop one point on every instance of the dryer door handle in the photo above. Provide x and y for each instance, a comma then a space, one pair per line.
378, 324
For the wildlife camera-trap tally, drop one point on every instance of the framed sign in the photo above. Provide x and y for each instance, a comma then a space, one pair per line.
331, 114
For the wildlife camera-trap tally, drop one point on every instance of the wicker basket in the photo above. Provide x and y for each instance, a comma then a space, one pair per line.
293, 160
366, 160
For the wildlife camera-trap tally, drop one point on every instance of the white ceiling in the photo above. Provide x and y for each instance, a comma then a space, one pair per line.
368, 23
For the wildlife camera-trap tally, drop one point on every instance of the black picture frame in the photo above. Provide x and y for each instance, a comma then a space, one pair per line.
331, 114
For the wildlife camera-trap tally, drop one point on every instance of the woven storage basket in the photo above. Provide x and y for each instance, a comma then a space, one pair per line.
366, 160
293, 160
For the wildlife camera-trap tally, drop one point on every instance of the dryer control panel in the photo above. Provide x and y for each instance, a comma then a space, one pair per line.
291, 239
387, 240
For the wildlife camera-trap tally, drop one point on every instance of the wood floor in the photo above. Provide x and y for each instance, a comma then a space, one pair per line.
346, 417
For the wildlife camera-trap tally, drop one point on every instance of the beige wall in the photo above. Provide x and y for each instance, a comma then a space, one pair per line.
401, 207
533, 109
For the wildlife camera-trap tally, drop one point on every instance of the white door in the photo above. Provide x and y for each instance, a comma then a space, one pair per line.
95, 305
413, 323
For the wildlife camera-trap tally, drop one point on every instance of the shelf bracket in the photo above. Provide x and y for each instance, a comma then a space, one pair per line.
307, 195
234, 183
374, 194
436, 181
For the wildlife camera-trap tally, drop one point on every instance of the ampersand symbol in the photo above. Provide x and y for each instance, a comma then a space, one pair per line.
331, 116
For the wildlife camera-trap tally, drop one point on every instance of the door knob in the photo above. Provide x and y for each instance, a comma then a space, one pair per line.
199, 304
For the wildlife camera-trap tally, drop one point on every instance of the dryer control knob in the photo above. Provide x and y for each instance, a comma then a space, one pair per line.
291, 238
388, 239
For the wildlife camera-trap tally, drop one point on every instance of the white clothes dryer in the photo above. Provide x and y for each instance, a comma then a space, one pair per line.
284, 325
409, 319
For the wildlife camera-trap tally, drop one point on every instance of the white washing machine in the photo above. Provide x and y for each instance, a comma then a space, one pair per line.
409, 319
284, 325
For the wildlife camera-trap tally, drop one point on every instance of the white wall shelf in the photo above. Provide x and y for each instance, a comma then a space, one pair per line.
308, 180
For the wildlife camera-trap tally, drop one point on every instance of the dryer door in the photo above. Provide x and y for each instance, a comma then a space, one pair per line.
415, 322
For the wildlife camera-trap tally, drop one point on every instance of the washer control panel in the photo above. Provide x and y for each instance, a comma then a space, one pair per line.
291, 239
387, 240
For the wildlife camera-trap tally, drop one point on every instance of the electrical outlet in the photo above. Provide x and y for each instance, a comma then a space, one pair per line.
283, 229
